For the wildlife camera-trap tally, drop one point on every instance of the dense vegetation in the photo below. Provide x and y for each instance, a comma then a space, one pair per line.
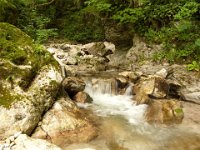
174, 23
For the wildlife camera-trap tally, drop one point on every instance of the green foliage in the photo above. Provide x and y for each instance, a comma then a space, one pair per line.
82, 28
35, 25
187, 10
100, 6
193, 66
131, 15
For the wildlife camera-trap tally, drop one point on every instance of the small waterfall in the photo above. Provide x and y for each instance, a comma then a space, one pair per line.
107, 102
129, 90
101, 86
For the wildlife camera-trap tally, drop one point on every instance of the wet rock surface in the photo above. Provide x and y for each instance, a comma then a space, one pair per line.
82, 97
165, 112
65, 123
73, 85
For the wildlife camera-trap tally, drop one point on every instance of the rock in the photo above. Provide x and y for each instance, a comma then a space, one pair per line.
193, 97
141, 51
12, 144
65, 47
189, 82
24, 113
117, 34
17, 134
73, 85
162, 73
191, 92
122, 81
141, 98
8, 141
70, 71
101, 49
60, 56
12, 138
155, 87
70, 61
64, 123
129, 74
1, 147
51, 50
82, 97
165, 112
23, 142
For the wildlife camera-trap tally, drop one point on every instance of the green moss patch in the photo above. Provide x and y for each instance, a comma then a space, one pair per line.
20, 61
14, 44
179, 110
6, 98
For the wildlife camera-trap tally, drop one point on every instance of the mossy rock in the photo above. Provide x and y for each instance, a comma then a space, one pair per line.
18, 47
20, 61
7, 97
15, 45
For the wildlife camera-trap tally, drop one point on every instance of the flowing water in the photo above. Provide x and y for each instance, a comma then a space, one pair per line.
122, 124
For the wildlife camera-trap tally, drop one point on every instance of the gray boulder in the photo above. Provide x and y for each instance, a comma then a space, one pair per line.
27, 107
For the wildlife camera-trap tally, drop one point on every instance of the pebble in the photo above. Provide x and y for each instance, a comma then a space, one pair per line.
17, 134
6, 145
8, 141
12, 138
12, 144
1, 147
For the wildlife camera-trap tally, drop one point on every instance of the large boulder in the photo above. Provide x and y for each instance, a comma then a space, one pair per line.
151, 87
164, 111
82, 97
64, 123
98, 49
73, 85
189, 81
191, 93
27, 85
141, 51
25, 109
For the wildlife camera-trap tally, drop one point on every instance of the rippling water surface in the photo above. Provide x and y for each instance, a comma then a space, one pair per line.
122, 125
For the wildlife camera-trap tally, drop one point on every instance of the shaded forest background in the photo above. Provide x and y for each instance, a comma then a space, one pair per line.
173, 23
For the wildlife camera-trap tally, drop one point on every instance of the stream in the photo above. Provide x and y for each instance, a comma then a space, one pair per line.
122, 123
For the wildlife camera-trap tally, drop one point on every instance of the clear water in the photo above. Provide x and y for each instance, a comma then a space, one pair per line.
122, 124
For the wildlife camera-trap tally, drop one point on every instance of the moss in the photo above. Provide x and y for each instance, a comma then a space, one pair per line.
6, 98
14, 43
17, 48
179, 110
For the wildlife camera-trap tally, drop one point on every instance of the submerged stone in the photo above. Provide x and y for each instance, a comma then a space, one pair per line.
165, 111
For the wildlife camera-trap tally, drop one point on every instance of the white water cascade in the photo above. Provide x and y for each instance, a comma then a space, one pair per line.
107, 102
122, 124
